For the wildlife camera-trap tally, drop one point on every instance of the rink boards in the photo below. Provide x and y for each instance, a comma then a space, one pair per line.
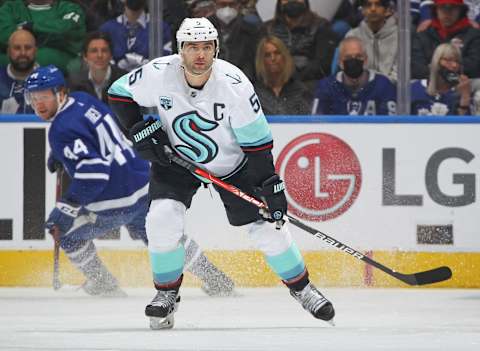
404, 190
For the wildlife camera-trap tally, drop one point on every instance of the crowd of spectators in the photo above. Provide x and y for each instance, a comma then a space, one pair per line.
300, 62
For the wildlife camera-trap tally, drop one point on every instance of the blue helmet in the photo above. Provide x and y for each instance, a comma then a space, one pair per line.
46, 77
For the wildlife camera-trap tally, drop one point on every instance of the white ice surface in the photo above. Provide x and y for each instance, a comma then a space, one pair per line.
258, 319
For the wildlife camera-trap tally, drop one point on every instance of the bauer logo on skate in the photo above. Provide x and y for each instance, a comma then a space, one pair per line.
322, 176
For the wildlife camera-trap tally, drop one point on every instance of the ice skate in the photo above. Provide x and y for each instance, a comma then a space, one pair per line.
162, 309
314, 302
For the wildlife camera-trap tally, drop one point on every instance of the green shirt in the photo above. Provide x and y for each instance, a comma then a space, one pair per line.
59, 30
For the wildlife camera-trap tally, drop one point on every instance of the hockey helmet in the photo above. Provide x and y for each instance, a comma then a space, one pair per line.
197, 29
44, 78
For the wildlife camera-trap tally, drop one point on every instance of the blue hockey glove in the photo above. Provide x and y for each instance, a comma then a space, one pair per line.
53, 164
149, 140
272, 193
62, 217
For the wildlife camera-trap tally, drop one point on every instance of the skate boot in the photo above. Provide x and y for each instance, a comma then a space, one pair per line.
314, 302
162, 308
164, 305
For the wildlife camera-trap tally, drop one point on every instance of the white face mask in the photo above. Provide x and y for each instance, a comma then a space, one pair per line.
226, 14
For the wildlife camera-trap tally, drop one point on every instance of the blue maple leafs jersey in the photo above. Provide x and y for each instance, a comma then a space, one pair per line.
105, 172
12, 100
377, 97
423, 104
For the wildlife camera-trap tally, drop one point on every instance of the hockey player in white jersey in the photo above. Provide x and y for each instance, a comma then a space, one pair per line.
209, 114
109, 183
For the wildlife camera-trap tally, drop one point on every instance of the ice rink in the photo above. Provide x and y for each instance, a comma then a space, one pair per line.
256, 319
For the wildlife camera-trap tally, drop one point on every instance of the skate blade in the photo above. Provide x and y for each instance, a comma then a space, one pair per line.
157, 323
331, 322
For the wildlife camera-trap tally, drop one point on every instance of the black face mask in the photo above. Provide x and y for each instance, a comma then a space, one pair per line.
353, 67
294, 9
452, 78
135, 5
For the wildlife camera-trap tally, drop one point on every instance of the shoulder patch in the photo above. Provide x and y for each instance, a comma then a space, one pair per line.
93, 115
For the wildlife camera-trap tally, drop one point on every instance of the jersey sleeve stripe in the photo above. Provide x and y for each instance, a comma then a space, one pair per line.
122, 99
254, 134
92, 161
78, 175
119, 87
257, 148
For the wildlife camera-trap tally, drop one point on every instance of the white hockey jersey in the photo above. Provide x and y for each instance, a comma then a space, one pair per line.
212, 126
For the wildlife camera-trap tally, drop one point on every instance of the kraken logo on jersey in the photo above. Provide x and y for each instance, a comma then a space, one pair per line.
166, 102
189, 127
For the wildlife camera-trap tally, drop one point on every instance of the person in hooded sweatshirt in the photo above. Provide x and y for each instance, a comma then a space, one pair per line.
379, 33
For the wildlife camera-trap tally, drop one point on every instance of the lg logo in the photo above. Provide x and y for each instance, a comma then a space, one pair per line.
322, 176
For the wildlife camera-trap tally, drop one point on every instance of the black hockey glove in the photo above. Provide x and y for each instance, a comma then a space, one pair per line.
53, 164
149, 140
272, 193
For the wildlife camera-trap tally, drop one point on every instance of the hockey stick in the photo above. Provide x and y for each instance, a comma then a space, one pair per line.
421, 278
56, 236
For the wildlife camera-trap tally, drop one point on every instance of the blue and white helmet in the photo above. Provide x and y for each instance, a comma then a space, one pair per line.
46, 77
196, 29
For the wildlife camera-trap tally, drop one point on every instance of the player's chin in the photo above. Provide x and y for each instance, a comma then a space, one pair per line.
45, 115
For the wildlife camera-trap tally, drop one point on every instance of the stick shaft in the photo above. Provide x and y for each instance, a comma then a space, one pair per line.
56, 236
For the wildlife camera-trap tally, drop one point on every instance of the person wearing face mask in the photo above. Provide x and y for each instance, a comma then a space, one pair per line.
355, 90
308, 37
450, 24
238, 38
129, 33
448, 91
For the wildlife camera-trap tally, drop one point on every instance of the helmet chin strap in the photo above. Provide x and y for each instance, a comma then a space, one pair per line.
60, 103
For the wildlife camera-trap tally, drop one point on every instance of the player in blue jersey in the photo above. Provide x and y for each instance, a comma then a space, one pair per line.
354, 90
211, 116
109, 183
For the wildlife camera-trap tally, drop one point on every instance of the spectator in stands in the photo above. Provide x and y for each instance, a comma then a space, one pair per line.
279, 92
450, 24
379, 33
307, 36
346, 18
447, 91
129, 33
238, 38
58, 26
98, 12
21, 52
355, 90
201, 8
97, 72
249, 11
426, 8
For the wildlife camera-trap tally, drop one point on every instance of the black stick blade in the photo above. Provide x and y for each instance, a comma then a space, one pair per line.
432, 276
